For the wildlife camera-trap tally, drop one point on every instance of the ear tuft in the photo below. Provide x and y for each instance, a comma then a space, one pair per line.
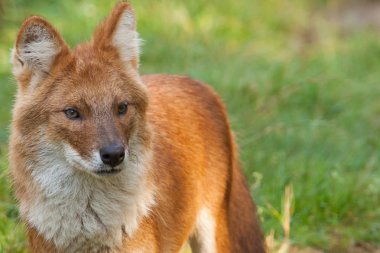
37, 46
126, 39
119, 32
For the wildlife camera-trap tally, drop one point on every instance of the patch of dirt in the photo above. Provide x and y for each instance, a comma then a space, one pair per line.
359, 247
362, 247
354, 15
342, 16
304, 250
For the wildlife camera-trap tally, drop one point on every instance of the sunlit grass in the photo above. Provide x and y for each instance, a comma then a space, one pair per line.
302, 99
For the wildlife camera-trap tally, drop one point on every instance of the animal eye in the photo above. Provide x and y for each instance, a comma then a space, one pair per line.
122, 109
71, 113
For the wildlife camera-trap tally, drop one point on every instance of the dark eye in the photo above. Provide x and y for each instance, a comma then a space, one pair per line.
122, 109
71, 113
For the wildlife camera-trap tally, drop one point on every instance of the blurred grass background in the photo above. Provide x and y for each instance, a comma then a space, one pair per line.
300, 79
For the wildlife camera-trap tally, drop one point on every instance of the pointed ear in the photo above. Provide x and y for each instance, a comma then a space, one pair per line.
37, 46
118, 32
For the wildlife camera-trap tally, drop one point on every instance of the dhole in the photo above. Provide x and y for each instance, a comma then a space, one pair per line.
105, 160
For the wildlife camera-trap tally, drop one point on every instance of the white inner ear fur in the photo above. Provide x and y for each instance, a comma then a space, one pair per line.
126, 39
36, 51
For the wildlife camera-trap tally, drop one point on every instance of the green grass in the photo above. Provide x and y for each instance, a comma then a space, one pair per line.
305, 114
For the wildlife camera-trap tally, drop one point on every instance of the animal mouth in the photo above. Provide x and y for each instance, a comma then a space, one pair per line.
106, 172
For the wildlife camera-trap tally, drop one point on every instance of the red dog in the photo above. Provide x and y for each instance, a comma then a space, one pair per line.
104, 160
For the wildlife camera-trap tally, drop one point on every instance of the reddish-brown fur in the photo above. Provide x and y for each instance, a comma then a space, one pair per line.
183, 121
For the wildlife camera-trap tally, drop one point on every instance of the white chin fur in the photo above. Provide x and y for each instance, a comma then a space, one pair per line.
92, 164
76, 209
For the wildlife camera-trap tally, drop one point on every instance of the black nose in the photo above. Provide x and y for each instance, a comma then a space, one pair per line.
112, 155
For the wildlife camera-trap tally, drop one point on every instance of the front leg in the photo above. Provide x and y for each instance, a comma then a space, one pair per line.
210, 234
144, 240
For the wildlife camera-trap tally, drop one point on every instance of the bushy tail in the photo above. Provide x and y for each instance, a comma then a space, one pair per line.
244, 228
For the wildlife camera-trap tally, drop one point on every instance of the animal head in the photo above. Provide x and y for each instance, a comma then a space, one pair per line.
87, 103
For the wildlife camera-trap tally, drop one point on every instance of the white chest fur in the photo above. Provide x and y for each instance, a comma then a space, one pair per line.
76, 210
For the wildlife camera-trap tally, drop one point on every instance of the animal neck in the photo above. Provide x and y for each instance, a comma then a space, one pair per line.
78, 211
